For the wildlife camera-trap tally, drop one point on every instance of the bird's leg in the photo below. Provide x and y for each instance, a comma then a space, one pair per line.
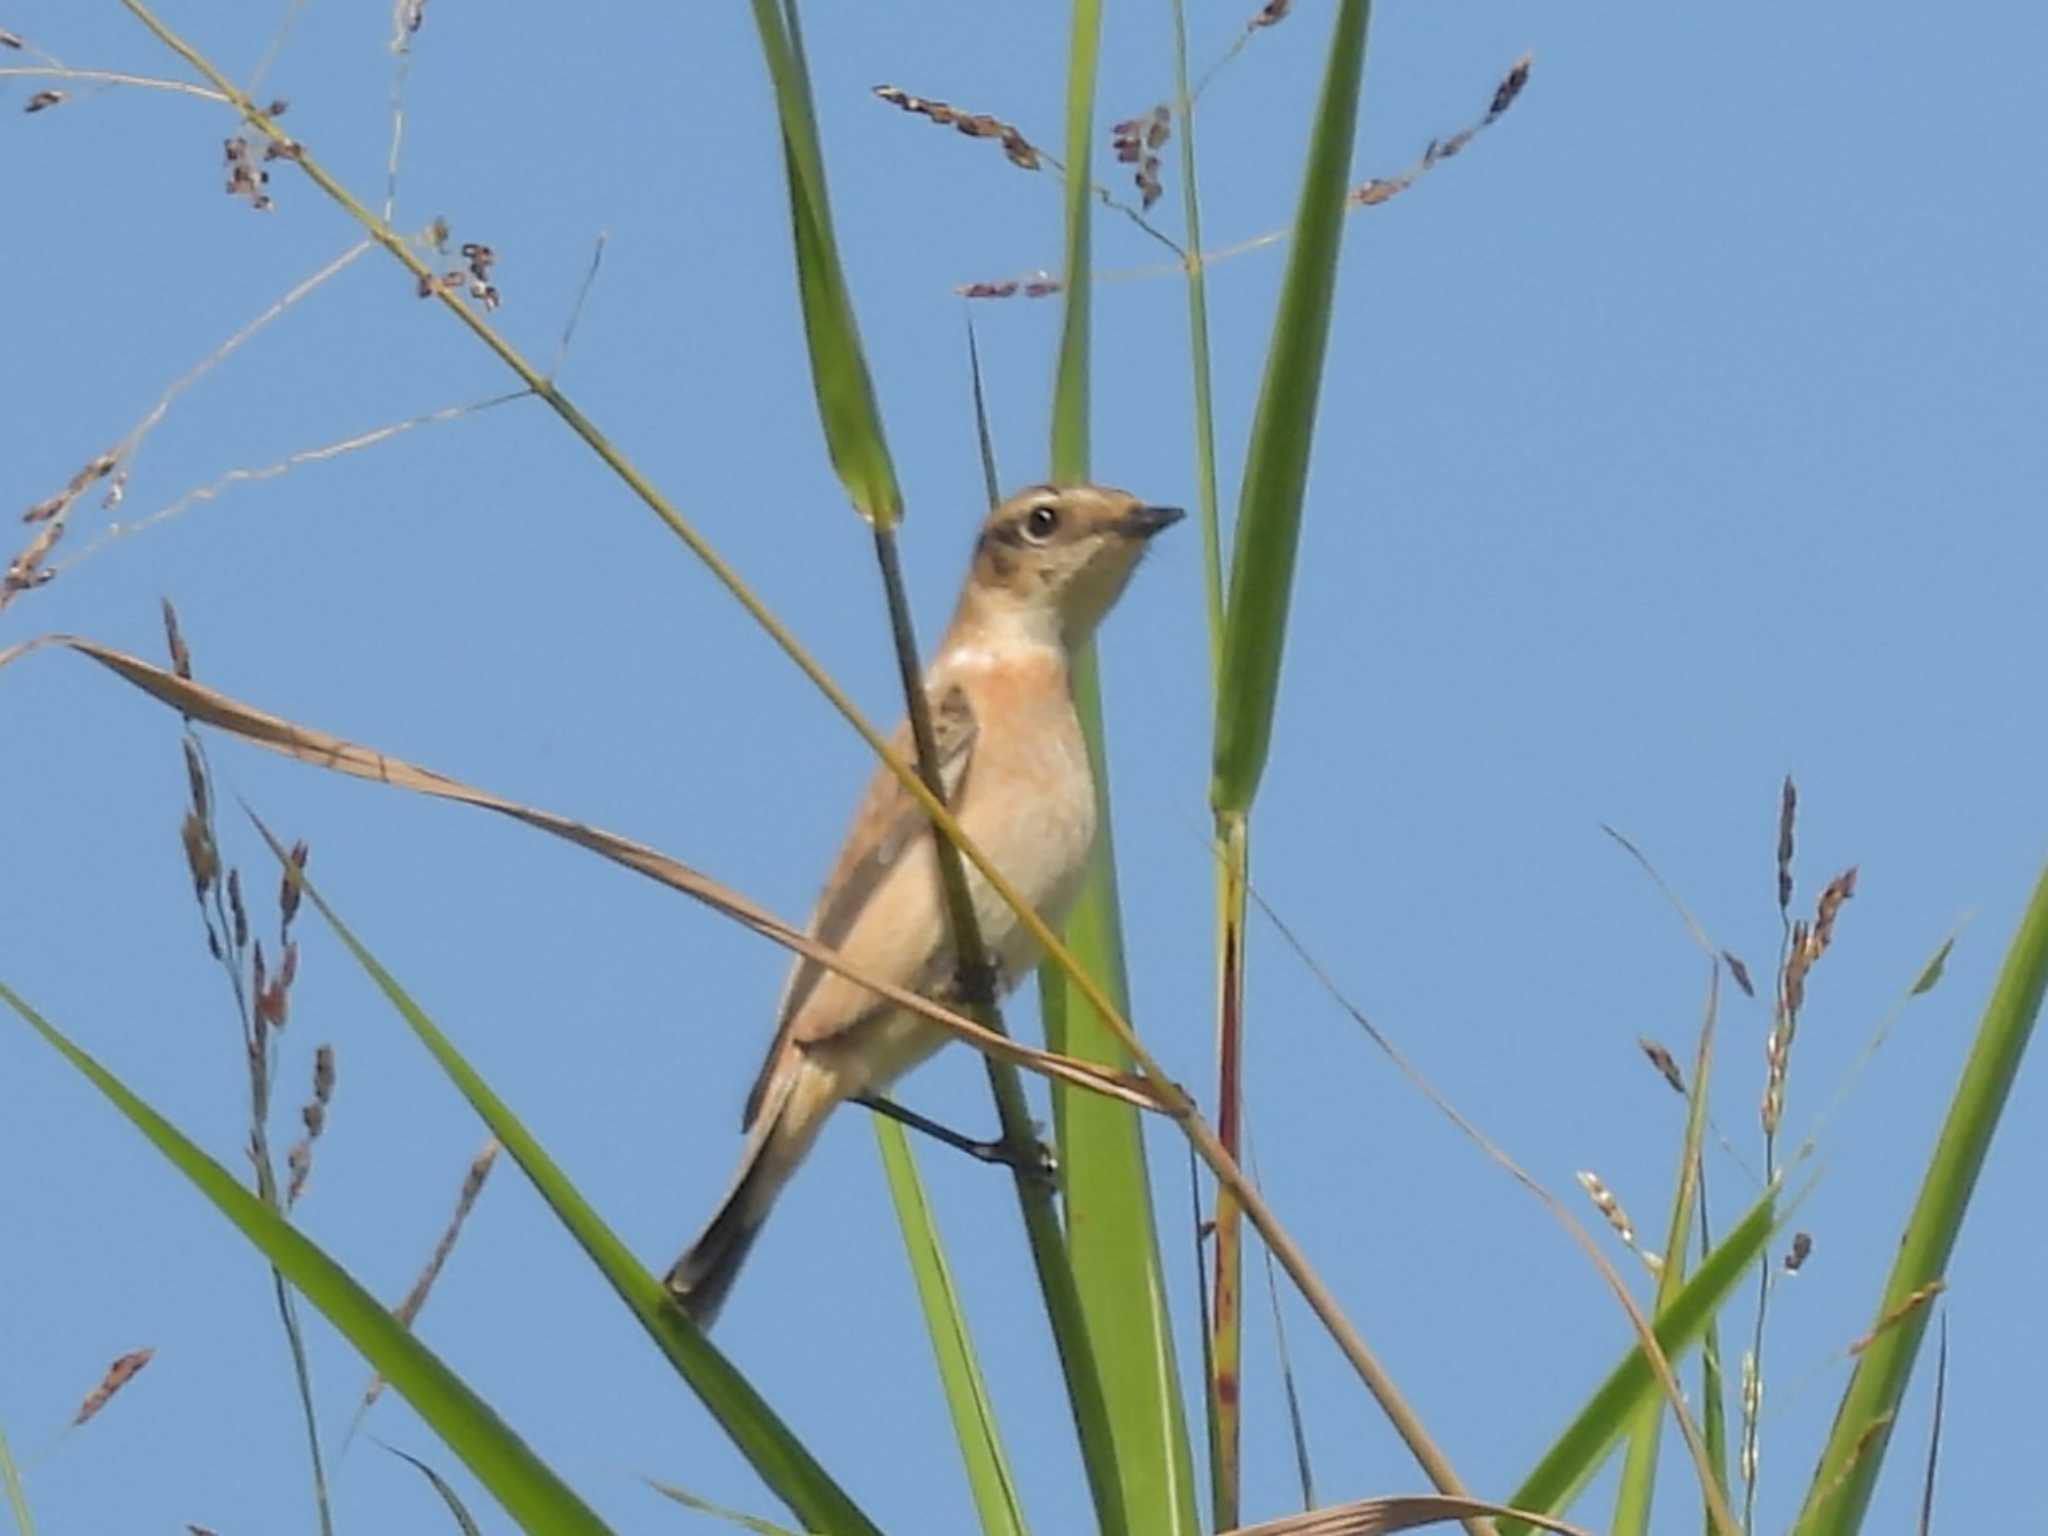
1034, 1161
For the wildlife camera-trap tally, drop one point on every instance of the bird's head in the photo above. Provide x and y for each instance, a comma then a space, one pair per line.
1053, 558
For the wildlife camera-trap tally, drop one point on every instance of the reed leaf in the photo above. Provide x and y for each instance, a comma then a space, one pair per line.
519, 1480
1111, 1235
1276, 460
967, 1400
1577, 1454
783, 1462
1839, 1495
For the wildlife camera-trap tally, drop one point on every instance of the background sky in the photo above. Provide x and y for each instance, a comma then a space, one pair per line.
1684, 432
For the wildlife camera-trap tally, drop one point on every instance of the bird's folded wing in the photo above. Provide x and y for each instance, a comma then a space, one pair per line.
887, 822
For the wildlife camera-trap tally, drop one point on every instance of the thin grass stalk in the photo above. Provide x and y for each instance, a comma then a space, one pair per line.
1223, 1350
1226, 1346
1058, 955
1839, 1495
1934, 1432
1636, 1493
1783, 1021
992, 482
256, 1046
1111, 1233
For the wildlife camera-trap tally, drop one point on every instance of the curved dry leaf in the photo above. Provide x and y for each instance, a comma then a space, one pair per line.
322, 750
1396, 1512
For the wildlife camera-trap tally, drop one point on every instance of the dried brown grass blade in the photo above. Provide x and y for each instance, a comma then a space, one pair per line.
1396, 1512
322, 750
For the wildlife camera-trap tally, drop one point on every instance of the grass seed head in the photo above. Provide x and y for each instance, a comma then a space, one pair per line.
1607, 1205
976, 125
236, 910
119, 1374
174, 638
1664, 1062
1739, 971
1788, 812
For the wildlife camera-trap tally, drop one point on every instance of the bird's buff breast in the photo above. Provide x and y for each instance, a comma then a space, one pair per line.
1029, 803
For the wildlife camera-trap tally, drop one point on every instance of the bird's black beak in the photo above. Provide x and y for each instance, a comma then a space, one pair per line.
1143, 522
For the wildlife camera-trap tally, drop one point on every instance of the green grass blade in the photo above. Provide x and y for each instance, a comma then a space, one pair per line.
1070, 401
1637, 1489
967, 1399
464, 1521
1111, 1236
1713, 1389
847, 406
1276, 460
17, 1500
530, 1493
789, 1470
1198, 348
1577, 1454
1840, 1493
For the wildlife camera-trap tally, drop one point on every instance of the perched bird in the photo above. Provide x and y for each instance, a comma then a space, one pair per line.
1047, 565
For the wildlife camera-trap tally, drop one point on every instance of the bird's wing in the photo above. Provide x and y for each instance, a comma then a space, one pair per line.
888, 822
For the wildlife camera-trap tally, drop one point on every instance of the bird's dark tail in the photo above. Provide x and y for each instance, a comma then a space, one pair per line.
794, 1108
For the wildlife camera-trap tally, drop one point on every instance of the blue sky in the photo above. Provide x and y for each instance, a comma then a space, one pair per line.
1683, 432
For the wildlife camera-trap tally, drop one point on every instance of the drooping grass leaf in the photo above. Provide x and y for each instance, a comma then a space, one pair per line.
530, 1493
464, 1521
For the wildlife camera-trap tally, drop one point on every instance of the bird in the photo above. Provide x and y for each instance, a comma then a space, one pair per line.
1047, 565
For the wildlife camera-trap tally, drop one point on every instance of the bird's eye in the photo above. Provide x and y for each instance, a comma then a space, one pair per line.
1040, 521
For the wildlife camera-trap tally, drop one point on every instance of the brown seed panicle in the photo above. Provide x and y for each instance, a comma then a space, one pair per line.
1136, 141
976, 125
314, 1117
473, 278
1788, 812
1664, 1062
119, 1374
1381, 188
